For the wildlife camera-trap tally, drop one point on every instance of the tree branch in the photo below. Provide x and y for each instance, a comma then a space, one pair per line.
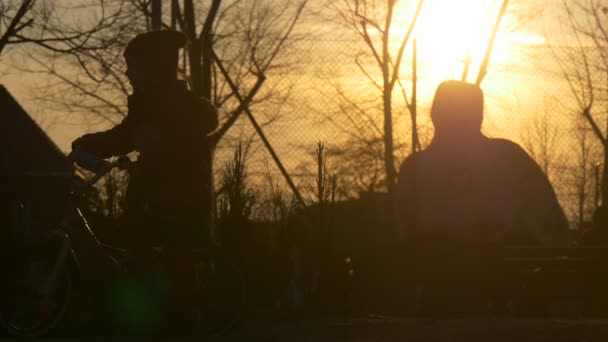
217, 136
12, 28
404, 43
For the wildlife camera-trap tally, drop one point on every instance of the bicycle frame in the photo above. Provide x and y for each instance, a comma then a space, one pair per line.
205, 259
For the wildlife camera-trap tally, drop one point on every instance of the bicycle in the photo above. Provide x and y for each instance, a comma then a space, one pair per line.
80, 259
40, 267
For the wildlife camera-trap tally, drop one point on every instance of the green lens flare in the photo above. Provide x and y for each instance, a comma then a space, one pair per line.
138, 303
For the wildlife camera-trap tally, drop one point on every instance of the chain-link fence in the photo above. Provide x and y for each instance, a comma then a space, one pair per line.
330, 93
333, 101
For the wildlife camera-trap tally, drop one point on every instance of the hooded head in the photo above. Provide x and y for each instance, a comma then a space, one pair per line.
152, 57
457, 109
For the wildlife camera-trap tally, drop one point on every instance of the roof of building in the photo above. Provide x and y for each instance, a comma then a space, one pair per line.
26, 148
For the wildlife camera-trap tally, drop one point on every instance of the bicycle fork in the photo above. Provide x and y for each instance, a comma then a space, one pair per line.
60, 261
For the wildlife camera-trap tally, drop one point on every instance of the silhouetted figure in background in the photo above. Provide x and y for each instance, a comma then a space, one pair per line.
168, 196
474, 188
467, 191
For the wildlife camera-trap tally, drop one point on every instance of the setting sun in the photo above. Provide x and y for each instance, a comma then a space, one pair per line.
448, 32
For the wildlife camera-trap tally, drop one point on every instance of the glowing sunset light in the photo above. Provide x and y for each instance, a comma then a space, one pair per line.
448, 32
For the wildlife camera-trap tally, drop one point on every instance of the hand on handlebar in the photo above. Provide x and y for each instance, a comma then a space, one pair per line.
89, 161
124, 163
97, 165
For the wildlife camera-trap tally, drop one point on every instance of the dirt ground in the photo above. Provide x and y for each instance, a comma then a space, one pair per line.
382, 328
85, 322
402, 329
261, 327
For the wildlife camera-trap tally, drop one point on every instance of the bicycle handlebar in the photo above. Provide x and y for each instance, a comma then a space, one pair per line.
99, 166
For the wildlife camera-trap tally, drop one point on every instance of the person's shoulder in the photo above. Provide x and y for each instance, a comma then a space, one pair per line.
502, 143
506, 147
513, 155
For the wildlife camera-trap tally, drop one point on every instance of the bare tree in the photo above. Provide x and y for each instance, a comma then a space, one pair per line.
583, 60
248, 38
326, 189
539, 138
41, 23
368, 19
237, 196
87, 81
52, 28
233, 47
275, 203
582, 173
12, 16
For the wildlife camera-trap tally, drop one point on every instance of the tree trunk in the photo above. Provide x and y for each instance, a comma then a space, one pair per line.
156, 14
414, 102
194, 50
206, 44
604, 186
200, 55
389, 160
389, 163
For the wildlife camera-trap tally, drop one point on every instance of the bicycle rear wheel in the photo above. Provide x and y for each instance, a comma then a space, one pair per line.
26, 311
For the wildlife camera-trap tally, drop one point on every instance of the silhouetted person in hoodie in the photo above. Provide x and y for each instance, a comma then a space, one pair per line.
467, 188
169, 192
465, 193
